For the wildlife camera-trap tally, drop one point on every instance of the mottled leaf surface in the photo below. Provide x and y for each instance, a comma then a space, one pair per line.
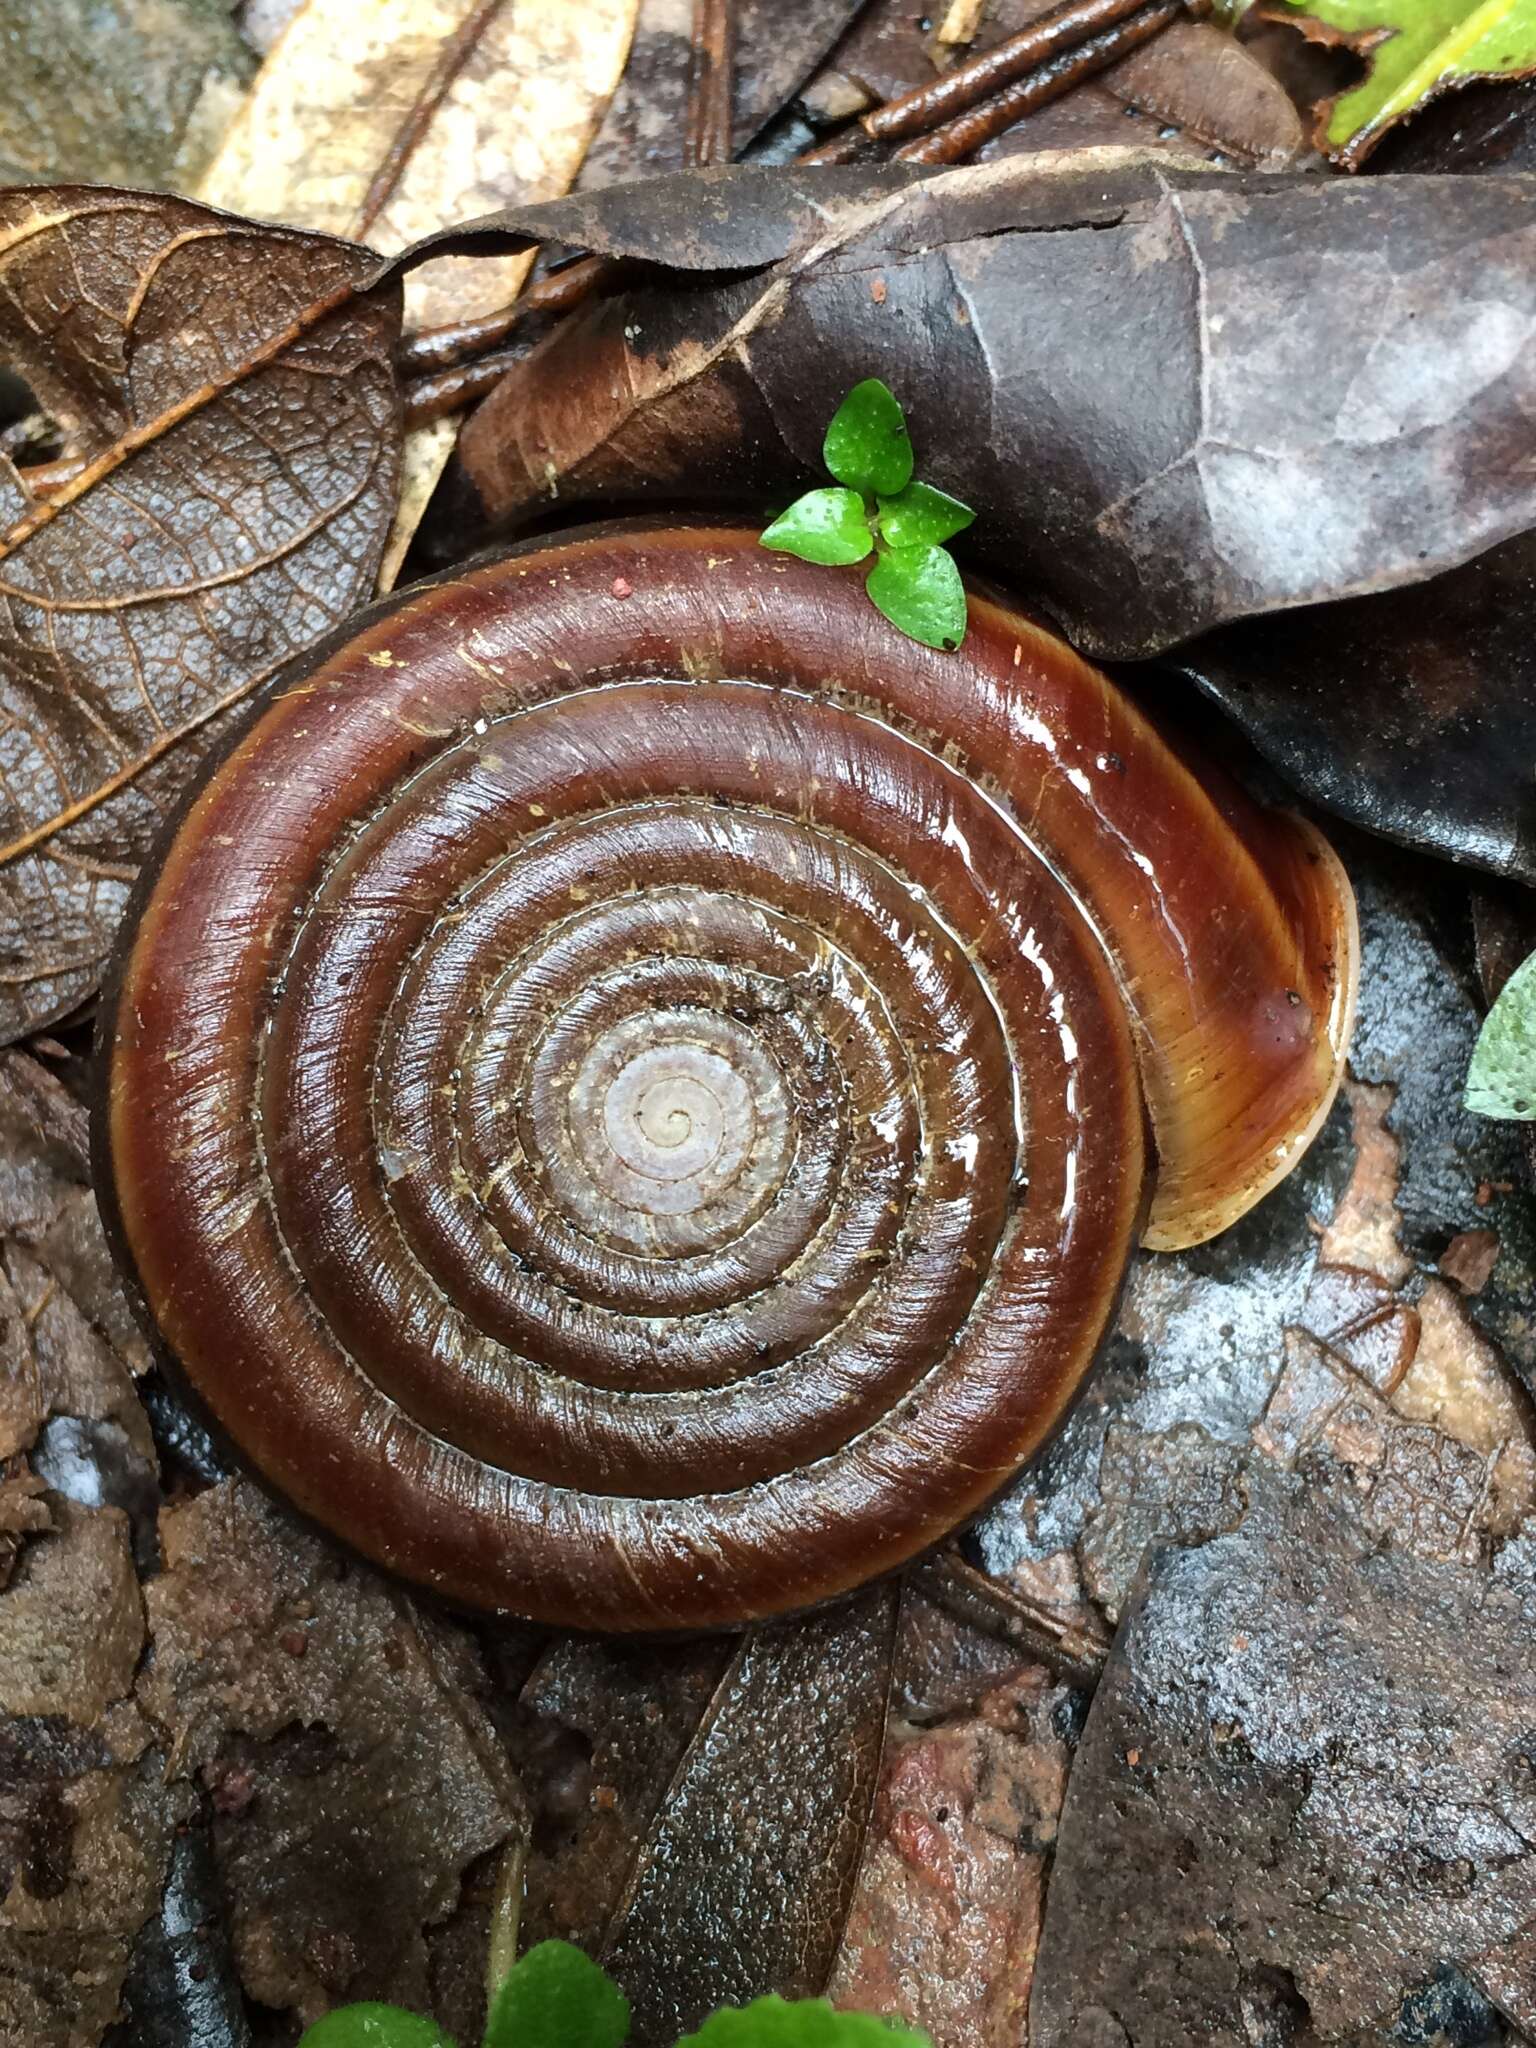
234, 398
1174, 396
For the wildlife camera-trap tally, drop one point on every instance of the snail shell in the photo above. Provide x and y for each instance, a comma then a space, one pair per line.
625, 1097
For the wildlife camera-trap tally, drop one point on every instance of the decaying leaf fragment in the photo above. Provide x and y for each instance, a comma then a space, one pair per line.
1414, 50
233, 399
1174, 396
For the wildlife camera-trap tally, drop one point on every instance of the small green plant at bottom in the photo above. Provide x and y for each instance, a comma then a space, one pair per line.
877, 508
557, 1997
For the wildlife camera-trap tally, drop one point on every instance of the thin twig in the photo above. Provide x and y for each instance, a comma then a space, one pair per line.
455, 53
506, 1914
441, 392
967, 132
558, 291
1007, 1615
711, 84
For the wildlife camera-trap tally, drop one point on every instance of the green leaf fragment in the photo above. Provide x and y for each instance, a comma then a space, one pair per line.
1502, 1079
867, 445
921, 517
824, 526
556, 1997
800, 2023
919, 590
374, 2026
1415, 48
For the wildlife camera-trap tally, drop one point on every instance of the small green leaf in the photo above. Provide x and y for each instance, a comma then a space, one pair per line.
919, 590
867, 444
1502, 1079
374, 2026
556, 1997
802, 2023
823, 526
921, 517
1414, 49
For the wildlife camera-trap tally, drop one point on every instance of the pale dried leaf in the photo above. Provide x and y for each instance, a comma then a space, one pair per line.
383, 119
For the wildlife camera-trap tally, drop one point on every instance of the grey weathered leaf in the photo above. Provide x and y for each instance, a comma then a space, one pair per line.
1174, 396
233, 396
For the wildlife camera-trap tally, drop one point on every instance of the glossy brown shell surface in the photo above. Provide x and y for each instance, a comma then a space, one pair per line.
625, 1097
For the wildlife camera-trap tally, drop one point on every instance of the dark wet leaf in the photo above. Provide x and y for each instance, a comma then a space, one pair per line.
1411, 713
233, 398
181, 1990
1295, 399
823, 526
742, 1885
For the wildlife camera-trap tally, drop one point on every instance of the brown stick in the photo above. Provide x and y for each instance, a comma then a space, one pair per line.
711, 84
960, 89
967, 132
440, 348
444, 391
1002, 1612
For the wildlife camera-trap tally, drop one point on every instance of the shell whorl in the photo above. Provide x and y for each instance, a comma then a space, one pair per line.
625, 1096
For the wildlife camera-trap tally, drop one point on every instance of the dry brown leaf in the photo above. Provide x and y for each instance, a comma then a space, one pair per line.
235, 403
383, 119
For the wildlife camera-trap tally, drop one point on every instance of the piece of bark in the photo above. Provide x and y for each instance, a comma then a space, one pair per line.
71, 1620
1470, 1258
85, 1815
319, 1705
1303, 1791
65, 1946
69, 1348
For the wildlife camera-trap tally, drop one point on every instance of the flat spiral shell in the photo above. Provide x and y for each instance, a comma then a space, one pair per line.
625, 1097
